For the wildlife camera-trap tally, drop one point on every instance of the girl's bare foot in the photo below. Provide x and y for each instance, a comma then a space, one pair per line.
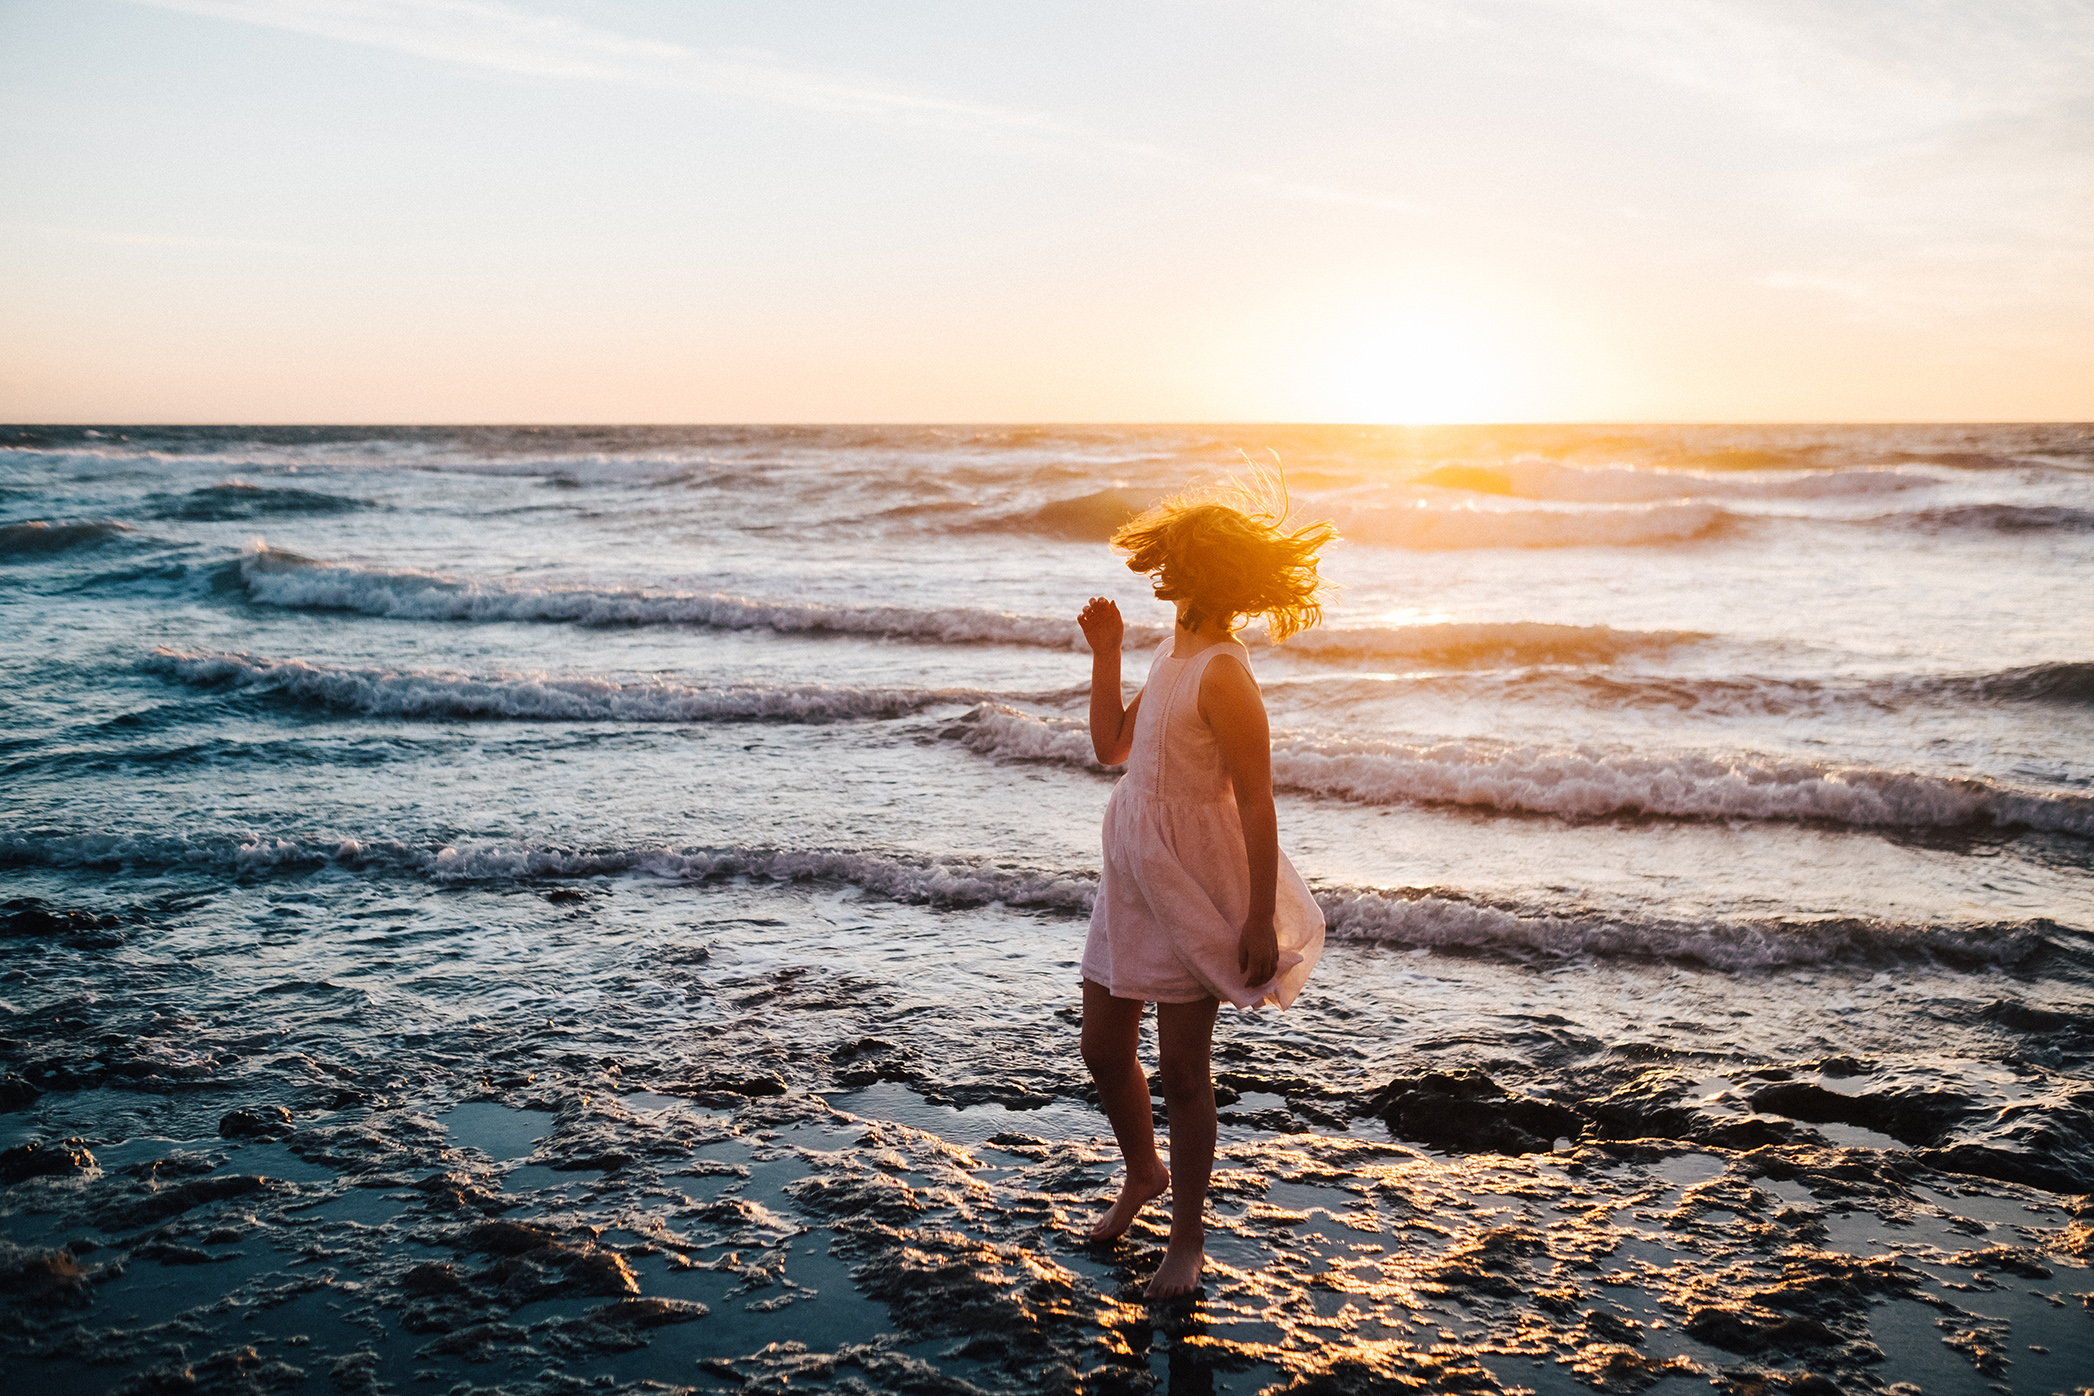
1137, 1192
1180, 1272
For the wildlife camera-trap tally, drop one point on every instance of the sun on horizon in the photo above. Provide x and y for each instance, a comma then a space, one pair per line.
1414, 367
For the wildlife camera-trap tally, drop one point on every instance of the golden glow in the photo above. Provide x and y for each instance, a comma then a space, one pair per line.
1410, 361
886, 242
1421, 368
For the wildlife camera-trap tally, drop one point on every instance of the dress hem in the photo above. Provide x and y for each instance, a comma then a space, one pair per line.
1150, 998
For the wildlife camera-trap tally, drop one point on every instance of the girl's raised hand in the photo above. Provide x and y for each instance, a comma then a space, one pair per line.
1102, 627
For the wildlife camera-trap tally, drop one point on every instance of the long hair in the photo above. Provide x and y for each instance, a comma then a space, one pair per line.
1231, 554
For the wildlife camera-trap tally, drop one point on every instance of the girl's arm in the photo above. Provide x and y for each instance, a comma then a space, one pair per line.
1112, 726
1235, 713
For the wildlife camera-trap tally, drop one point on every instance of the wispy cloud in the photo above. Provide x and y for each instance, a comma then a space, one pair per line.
1918, 159
1860, 70
489, 35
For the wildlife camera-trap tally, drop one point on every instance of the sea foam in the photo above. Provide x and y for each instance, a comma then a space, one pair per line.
424, 693
2057, 684
1464, 643
285, 579
1584, 783
926, 881
1996, 518
1420, 919
277, 578
1427, 526
1534, 478
1436, 920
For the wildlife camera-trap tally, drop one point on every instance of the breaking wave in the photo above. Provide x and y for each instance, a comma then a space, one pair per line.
2061, 684
1579, 784
1488, 642
1090, 518
1665, 496
278, 578
1429, 527
36, 538
1546, 479
1436, 919
2034, 683
421, 693
1584, 784
1997, 518
995, 729
926, 881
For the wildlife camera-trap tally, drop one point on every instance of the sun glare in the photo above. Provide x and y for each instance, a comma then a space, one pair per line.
1413, 368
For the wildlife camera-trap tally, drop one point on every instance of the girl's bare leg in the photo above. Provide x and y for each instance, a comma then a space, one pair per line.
1111, 1042
1185, 1042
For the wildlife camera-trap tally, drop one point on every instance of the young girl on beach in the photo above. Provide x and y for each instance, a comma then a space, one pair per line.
1196, 903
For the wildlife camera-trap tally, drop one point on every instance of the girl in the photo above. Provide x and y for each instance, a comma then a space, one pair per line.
1196, 903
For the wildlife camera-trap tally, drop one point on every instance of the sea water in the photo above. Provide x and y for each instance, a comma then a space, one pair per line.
355, 773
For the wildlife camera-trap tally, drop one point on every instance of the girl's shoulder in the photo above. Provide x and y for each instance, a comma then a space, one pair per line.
1227, 649
1227, 692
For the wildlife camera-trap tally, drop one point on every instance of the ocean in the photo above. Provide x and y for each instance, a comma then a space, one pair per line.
547, 907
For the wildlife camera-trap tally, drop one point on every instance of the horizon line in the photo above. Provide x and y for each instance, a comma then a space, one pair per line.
1092, 423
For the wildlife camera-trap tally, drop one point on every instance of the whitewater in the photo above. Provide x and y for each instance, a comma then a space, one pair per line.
675, 844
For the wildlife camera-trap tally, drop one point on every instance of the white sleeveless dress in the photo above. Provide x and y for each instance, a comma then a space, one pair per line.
1175, 884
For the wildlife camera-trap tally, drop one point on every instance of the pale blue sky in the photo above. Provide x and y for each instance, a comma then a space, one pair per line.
463, 210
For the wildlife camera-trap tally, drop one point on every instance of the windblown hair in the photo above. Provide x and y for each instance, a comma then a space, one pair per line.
1231, 563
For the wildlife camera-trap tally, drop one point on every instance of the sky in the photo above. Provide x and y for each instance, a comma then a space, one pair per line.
1144, 210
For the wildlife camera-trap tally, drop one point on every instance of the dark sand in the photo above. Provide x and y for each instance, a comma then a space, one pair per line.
558, 1238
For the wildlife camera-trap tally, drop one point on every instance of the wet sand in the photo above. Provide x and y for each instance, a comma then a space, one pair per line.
779, 1198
